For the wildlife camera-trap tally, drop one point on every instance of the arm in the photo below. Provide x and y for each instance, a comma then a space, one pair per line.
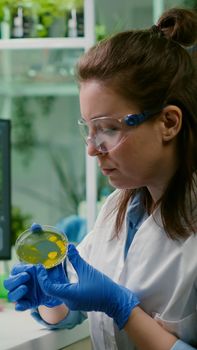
94, 291
147, 333
53, 315
57, 320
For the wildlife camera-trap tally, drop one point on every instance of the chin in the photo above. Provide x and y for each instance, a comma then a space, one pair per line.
122, 186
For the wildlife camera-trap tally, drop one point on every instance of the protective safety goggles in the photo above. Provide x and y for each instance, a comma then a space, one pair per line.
106, 133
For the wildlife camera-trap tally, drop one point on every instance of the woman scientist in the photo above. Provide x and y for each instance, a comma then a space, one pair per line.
138, 98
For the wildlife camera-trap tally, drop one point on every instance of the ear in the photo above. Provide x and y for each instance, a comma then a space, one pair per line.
171, 118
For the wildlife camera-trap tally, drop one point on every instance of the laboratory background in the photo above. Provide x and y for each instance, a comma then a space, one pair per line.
45, 173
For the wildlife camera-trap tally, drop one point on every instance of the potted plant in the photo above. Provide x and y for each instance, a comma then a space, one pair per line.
49, 17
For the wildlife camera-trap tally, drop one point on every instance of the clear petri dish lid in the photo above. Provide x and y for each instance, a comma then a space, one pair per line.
42, 244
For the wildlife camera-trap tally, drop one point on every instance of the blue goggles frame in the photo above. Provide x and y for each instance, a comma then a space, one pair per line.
137, 119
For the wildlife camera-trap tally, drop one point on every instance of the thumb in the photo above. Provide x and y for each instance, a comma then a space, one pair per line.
43, 280
77, 261
49, 287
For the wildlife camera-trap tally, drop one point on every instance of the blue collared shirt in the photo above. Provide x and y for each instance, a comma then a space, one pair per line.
136, 215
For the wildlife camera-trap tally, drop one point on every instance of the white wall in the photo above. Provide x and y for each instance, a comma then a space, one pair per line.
125, 14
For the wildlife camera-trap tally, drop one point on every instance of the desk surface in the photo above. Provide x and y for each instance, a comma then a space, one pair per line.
18, 330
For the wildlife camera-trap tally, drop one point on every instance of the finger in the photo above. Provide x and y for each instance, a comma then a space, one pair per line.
79, 264
18, 293
15, 281
43, 280
22, 268
50, 288
72, 250
57, 273
23, 305
45, 284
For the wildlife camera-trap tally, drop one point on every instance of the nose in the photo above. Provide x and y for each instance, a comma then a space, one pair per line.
92, 150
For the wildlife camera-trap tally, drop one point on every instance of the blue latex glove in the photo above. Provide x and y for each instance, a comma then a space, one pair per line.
94, 291
24, 288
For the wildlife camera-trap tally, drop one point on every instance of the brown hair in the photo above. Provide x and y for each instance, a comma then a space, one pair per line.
152, 68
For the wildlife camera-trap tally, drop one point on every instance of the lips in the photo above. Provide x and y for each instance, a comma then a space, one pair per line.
107, 171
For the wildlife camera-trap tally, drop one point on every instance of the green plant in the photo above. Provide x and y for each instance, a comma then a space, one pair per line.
19, 223
23, 133
54, 7
1, 178
46, 12
71, 180
101, 32
191, 4
24, 136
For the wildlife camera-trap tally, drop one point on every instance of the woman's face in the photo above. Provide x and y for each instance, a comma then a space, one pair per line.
142, 158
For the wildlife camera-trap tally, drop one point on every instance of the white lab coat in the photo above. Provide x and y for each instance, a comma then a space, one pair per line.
163, 273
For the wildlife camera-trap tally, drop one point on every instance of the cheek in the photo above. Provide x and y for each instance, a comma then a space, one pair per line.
131, 149
138, 151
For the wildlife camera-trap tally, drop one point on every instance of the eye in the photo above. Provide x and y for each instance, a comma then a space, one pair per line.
108, 128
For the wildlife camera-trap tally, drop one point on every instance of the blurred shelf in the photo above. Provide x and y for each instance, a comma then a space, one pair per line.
39, 71
44, 43
39, 89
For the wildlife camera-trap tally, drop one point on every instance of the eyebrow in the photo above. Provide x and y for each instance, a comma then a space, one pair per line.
99, 116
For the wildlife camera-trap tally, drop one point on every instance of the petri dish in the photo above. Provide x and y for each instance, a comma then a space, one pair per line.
42, 244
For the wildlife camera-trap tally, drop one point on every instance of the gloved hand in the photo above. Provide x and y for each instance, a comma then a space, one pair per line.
94, 291
24, 288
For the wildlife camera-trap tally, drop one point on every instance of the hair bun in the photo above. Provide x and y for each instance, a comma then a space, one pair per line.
156, 29
179, 25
